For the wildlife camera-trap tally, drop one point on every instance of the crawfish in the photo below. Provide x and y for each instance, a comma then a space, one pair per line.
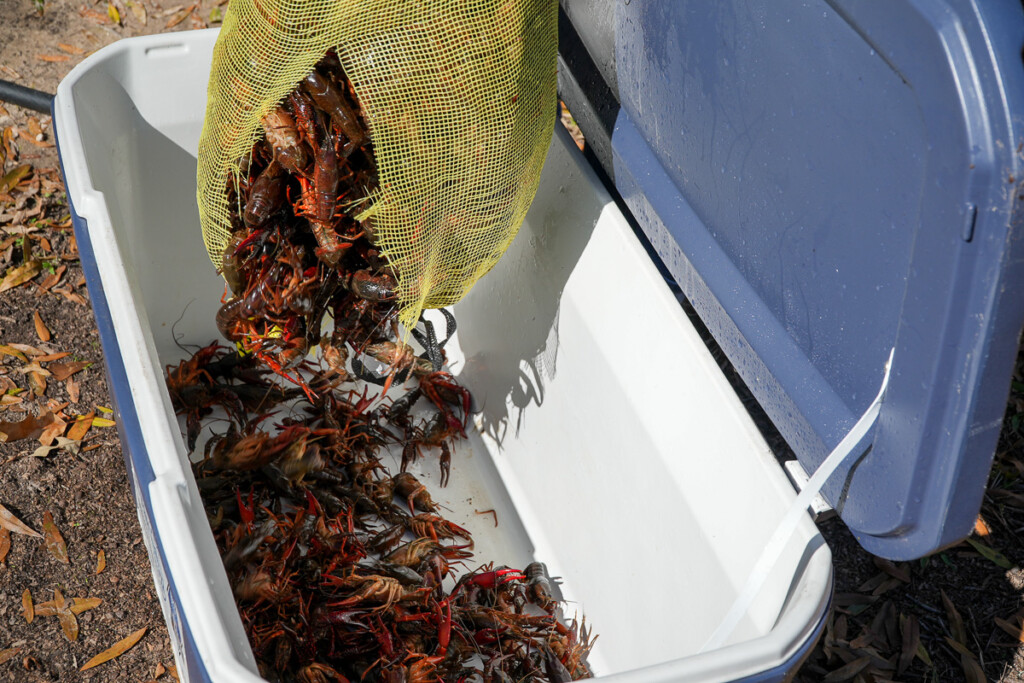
438, 386
319, 673
283, 136
409, 487
537, 586
374, 288
258, 585
331, 100
252, 304
319, 200
435, 527
416, 552
230, 266
266, 195
437, 433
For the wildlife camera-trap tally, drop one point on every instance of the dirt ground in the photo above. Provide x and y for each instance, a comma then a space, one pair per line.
955, 616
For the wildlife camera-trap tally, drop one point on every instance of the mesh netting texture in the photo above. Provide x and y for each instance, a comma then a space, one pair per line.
459, 97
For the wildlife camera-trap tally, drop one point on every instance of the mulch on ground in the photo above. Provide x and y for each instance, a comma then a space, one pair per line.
955, 616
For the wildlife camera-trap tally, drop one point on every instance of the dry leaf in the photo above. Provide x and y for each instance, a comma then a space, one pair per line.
34, 127
70, 296
28, 350
41, 330
53, 356
52, 431
80, 605
101, 562
19, 275
901, 572
138, 11
11, 179
10, 399
911, 631
5, 543
26, 606
37, 382
73, 389
68, 623
968, 662
61, 371
102, 422
173, 670
160, 670
53, 58
1015, 631
116, 650
46, 609
6, 350
112, 12
8, 653
956, 622
15, 525
71, 48
98, 17
27, 428
54, 541
181, 16
80, 427
848, 671
70, 445
12, 150
34, 366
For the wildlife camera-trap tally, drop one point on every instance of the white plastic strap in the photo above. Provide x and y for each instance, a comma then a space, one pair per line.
783, 532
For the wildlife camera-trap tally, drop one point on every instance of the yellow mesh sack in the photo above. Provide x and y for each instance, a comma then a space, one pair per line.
460, 100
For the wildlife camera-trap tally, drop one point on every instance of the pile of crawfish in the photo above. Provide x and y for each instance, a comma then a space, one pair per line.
342, 570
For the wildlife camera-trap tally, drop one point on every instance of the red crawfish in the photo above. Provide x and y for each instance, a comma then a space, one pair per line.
435, 527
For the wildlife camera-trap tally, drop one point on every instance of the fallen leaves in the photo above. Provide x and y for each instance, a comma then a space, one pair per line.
29, 427
9, 653
71, 49
61, 371
54, 540
81, 427
101, 562
68, 622
19, 275
181, 15
42, 331
116, 650
15, 525
11, 179
1011, 628
5, 542
138, 10
27, 609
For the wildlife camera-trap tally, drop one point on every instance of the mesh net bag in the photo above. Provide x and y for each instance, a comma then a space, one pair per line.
460, 98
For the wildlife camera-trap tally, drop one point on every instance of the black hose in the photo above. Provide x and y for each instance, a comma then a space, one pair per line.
37, 100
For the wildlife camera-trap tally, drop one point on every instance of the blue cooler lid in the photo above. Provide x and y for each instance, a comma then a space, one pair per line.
828, 181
